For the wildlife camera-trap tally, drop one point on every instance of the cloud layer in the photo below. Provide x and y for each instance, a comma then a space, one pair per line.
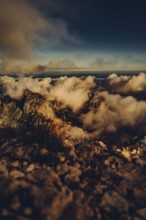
113, 113
101, 63
72, 92
61, 64
127, 84
98, 111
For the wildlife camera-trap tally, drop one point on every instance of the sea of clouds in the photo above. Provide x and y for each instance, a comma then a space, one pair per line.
113, 112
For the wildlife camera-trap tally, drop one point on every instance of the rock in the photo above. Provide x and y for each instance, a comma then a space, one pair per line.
15, 206
28, 211
126, 154
45, 176
113, 163
25, 163
16, 174
103, 145
4, 168
5, 212
19, 152
62, 159
15, 164
142, 213
30, 168
10, 114
73, 175
44, 152
58, 205
111, 201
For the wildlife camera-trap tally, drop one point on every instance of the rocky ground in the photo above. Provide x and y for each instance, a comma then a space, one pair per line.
93, 181
45, 174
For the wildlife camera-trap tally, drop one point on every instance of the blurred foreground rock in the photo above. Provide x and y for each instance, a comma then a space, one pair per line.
98, 183
46, 175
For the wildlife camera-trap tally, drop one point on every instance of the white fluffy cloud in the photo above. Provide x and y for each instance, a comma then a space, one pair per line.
114, 112
72, 92
127, 84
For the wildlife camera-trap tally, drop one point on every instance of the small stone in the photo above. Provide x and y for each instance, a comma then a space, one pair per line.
36, 145
126, 154
30, 178
73, 175
140, 162
15, 206
134, 151
16, 174
62, 159
103, 145
111, 200
25, 163
72, 153
15, 164
27, 211
30, 168
20, 152
142, 213
113, 166
44, 152
3, 169
4, 212
3, 162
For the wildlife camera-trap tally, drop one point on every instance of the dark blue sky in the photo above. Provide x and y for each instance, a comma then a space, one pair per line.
105, 28
113, 25
100, 34
105, 24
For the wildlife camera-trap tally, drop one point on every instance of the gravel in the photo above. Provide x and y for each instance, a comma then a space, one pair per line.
94, 181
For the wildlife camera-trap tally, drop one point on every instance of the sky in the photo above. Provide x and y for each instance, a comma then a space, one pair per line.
39, 35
